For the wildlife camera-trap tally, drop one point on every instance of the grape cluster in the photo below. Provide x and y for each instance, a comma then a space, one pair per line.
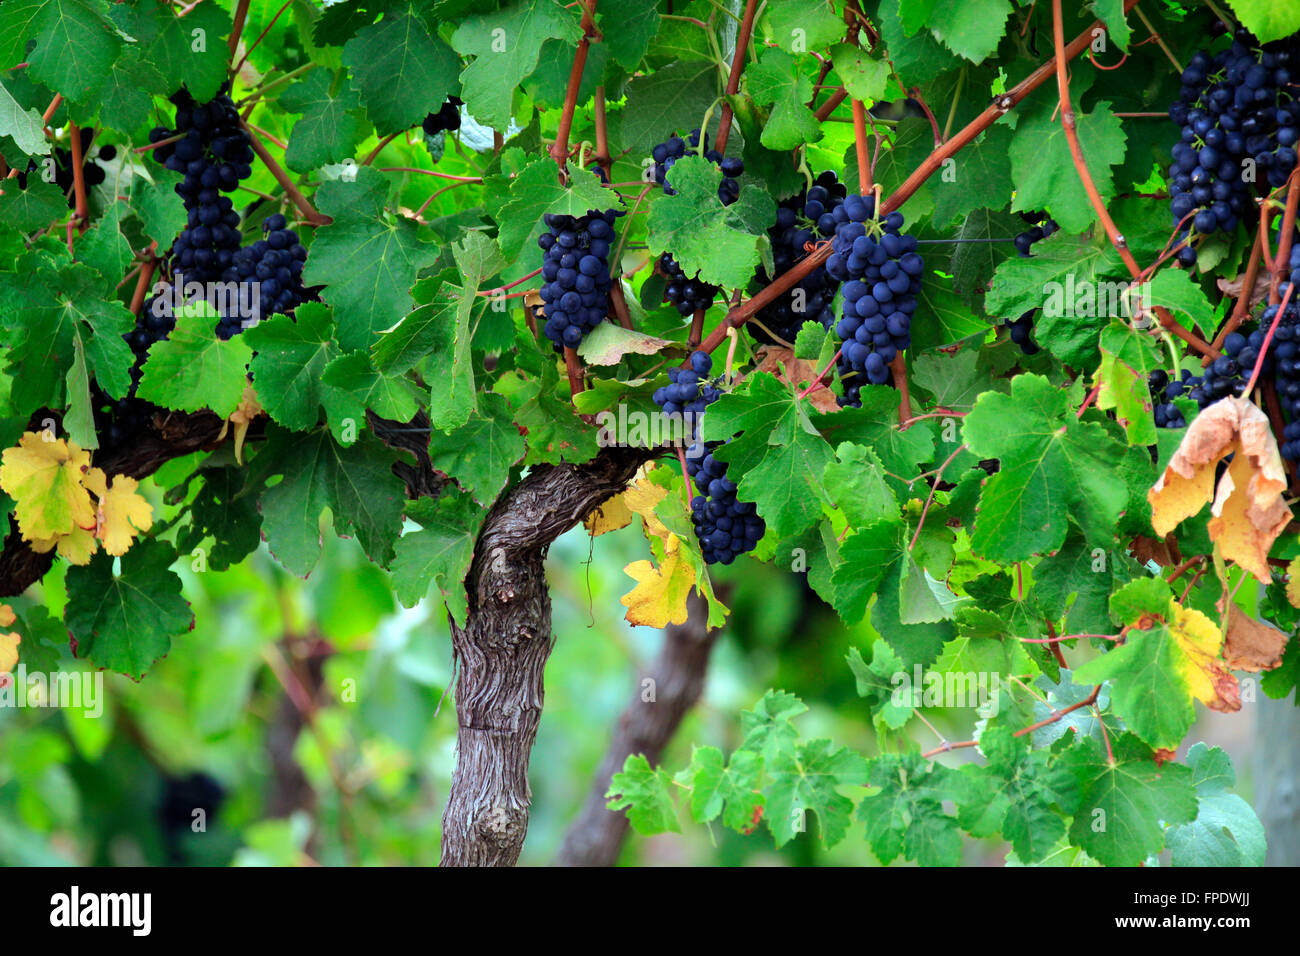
1164, 391
725, 526
1040, 228
881, 271
1225, 376
447, 118
1022, 329
576, 270
667, 153
92, 174
273, 267
1285, 351
803, 218
686, 293
1236, 105
214, 156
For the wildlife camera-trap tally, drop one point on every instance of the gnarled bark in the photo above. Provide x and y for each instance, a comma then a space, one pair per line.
503, 648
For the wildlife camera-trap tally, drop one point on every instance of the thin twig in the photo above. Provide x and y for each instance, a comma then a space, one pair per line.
733, 78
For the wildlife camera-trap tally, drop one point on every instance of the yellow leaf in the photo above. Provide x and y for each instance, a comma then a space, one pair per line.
75, 548
607, 517
122, 513
44, 478
641, 499
1293, 582
1207, 677
8, 642
9, 651
1248, 508
659, 598
249, 409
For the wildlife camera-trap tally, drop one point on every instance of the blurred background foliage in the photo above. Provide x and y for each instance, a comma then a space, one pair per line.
306, 719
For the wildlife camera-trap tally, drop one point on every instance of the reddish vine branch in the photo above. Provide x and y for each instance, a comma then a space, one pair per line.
560, 151
1003, 104
286, 183
737, 67
1117, 240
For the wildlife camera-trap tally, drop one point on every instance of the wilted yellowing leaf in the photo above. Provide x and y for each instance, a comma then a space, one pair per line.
249, 409
1248, 507
641, 499
44, 479
659, 598
1206, 675
1252, 645
122, 513
76, 548
609, 516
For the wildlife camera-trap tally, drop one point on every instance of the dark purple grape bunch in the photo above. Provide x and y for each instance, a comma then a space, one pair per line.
269, 274
1284, 352
1040, 227
575, 270
686, 294
92, 173
809, 216
881, 274
667, 153
689, 294
1022, 332
447, 119
213, 156
1238, 108
725, 526
1163, 392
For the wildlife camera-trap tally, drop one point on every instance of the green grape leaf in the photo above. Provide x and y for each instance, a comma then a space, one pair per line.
970, 28
684, 89
403, 71
627, 27
1044, 171
439, 553
26, 210
906, 817
506, 45
366, 260
1111, 13
877, 683
480, 454
1121, 805
724, 244
779, 455
1014, 795
805, 779
722, 787
1226, 831
1182, 295
798, 25
646, 794
193, 369
856, 483
125, 621
24, 126
76, 43
864, 77
171, 45
222, 512
778, 80
292, 354
355, 482
1127, 358
1051, 463
331, 125
1267, 19
350, 385
977, 172
104, 248
535, 191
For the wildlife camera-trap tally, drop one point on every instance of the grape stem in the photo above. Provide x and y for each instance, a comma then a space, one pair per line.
79, 179
743, 36
237, 29
1085, 178
1057, 715
817, 379
277, 171
1003, 104
560, 150
244, 59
